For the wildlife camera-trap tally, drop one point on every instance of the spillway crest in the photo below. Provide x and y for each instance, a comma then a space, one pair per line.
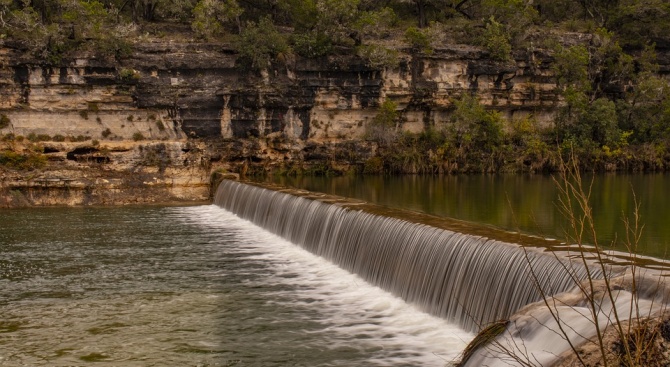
466, 279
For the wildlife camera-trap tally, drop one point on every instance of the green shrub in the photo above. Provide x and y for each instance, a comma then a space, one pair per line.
418, 40
138, 136
79, 138
260, 43
211, 17
312, 44
497, 41
83, 114
27, 161
374, 165
129, 75
382, 129
379, 57
106, 133
37, 138
376, 24
4, 121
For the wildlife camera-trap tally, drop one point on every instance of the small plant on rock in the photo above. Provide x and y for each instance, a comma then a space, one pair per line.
4, 121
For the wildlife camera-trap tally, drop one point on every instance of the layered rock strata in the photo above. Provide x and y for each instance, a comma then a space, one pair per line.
101, 116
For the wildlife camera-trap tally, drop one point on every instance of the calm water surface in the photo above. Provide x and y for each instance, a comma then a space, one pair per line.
525, 202
192, 286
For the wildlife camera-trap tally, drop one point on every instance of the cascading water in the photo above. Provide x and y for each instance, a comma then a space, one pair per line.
466, 279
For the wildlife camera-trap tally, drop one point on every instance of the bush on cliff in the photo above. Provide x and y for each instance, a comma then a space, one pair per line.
261, 43
4, 121
211, 18
18, 161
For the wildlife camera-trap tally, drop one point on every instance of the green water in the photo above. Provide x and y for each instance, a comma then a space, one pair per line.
525, 202
192, 286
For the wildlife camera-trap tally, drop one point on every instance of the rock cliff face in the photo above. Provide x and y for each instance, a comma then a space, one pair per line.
195, 108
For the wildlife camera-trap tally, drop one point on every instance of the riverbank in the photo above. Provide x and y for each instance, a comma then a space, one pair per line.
113, 173
155, 124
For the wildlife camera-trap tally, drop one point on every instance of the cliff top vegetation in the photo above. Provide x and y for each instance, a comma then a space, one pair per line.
614, 105
263, 30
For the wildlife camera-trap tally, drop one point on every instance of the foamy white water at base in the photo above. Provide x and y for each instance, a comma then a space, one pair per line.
192, 286
362, 316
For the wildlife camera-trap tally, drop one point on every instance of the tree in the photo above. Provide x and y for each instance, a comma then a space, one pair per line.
260, 43
425, 8
640, 22
210, 17
383, 129
336, 19
496, 40
645, 111
375, 24
473, 126
322, 24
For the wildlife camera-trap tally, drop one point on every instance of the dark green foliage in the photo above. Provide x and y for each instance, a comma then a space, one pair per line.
418, 40
646, 110
32, 137
475, 126
128, 75
374, 165
591, 126
4, 121
382, 129
376, 24
22, 161
54, 29
312, 44
638, 23
497, 41
261, 43
78, 138
212, 17
379, 57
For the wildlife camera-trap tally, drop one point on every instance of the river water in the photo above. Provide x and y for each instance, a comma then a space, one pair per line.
192, 286
517, 202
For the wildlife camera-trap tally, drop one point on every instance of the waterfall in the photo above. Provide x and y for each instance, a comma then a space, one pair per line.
469, 280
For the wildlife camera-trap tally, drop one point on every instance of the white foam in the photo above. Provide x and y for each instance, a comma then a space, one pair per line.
361, 315
535, 339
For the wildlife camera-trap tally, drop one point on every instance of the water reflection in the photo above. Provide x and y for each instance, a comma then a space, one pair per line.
525, 202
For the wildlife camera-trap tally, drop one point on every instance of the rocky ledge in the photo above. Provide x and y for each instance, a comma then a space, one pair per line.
155, 125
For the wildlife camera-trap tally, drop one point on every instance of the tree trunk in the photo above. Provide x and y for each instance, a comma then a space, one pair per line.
421, 11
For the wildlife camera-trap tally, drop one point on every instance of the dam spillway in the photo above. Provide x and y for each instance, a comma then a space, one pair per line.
467, 279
